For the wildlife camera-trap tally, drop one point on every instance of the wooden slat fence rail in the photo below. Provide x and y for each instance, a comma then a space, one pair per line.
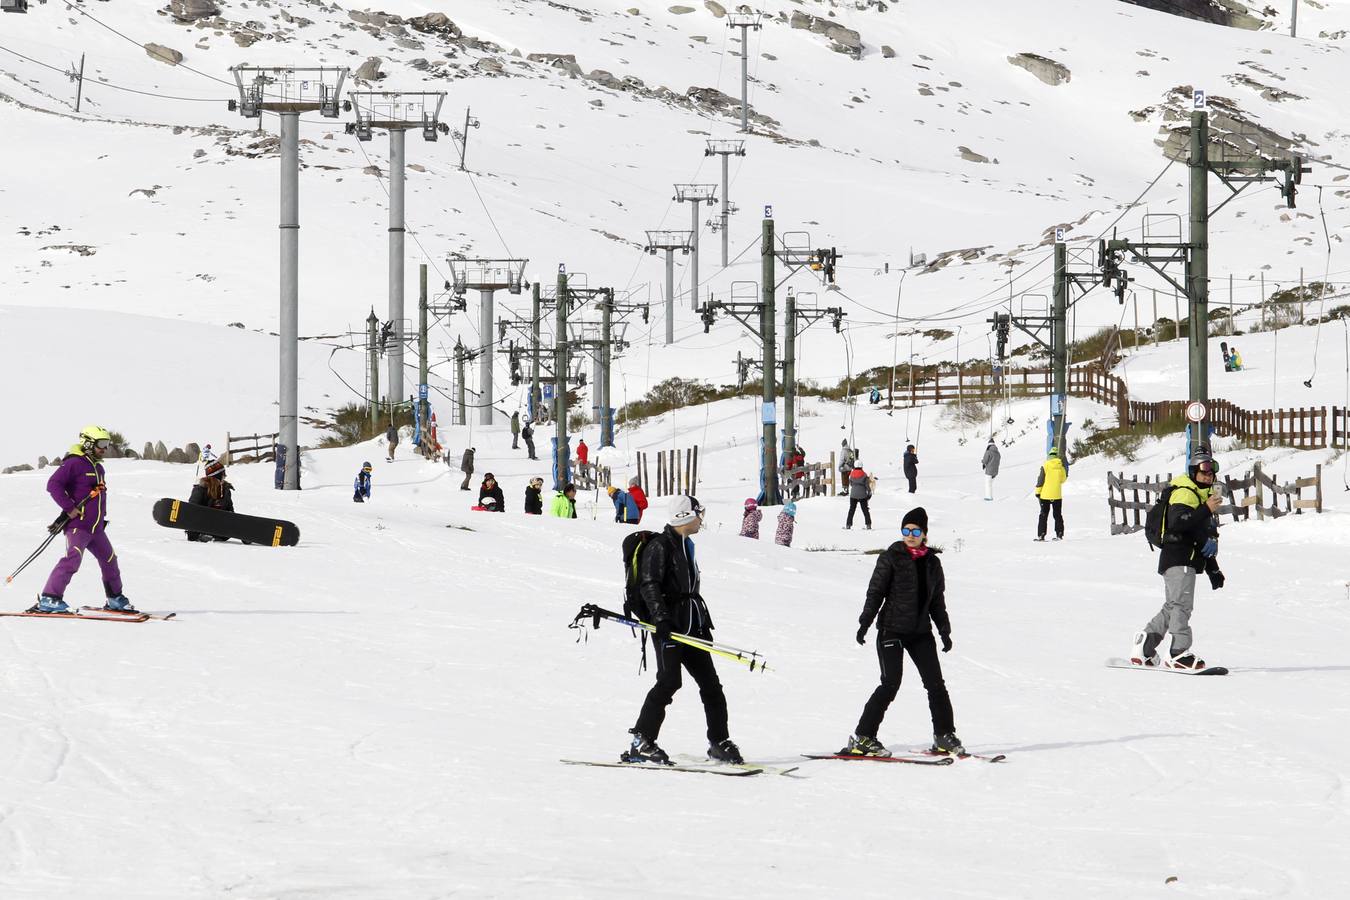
589, 476
242, 448
1132, 497
676, 472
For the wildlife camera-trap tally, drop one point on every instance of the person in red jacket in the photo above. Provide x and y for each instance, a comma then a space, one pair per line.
582, 451
639, 496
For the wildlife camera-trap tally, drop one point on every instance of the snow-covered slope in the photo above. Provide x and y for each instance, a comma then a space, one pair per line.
380, 711
163, 206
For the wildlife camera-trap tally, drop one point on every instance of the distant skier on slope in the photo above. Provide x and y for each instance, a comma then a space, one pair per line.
361, 486
990, 463
1050, 493
668, 581
79, 487
391, 440
750, 519
911, 465
1190, 544
907, 591
859, 494
787, 523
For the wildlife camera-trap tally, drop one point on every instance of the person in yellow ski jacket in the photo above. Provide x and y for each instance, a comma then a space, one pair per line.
1050, 490
564, 503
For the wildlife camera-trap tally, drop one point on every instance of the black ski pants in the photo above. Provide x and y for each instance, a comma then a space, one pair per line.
1046, 506
670, 656
853, 505
913, 481
922, 649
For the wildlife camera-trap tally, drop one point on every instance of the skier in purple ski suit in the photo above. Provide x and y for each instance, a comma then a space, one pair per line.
78, 487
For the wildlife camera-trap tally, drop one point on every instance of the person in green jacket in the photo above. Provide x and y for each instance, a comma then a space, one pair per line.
564, 504
1050, 490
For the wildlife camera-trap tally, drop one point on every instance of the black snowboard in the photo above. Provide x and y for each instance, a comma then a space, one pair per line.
218, 523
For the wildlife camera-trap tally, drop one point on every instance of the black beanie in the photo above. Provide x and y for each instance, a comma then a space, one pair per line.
916, 516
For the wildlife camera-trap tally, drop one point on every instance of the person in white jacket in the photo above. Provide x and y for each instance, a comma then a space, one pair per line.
990, 464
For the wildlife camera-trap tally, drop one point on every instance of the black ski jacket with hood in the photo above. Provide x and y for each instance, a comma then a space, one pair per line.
904, 593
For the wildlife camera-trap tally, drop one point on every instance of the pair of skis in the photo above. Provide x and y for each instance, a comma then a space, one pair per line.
95, 614
920, 758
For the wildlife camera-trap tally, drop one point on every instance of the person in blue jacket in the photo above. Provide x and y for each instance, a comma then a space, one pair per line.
362, 484
625, 507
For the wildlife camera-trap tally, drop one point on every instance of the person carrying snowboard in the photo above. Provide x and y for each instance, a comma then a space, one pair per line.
79, 487
1050, 491
668, 582
907, 592
787, 522
534, 502
1190, 544
750, 519
362, 485
391, 439
213, 491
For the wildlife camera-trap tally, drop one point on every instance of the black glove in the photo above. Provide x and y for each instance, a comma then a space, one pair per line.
946, 642
58, 523
1216, 579
663, 630
862, 635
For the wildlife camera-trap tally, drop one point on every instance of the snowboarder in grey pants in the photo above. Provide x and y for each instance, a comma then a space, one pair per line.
1190, 544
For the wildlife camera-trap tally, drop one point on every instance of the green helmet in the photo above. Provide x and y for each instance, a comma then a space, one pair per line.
92, 434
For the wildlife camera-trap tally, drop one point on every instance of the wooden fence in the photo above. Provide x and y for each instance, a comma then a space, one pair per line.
1132, 497
817, 480
588, 476
1307, 428
676, 472
243, 448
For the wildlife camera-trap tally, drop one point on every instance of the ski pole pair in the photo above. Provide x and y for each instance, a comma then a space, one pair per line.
57, 526
749, 658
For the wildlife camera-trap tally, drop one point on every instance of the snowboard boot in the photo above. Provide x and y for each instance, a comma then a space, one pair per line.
725, 751
1041, 538
119, 604
861, 745
643, 750
947, 743
1145, 649
1187, 660
50, 603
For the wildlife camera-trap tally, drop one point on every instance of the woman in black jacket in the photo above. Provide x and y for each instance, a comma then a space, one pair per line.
213, 491
534, 503
906, 592
490, 494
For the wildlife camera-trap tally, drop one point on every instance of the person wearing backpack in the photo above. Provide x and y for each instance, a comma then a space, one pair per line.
668, 585
859, 494
1050, 491
1182, 525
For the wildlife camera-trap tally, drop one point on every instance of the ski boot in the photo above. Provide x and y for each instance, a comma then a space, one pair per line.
1040, 538
1145, 649
50, 604
643, 750
947, 743
859, 745
725, 751
1187, 660
119, 604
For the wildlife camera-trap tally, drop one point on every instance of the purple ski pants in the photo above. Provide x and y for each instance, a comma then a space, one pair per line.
98, 545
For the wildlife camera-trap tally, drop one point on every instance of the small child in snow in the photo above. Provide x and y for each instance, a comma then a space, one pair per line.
750, 521
362, 484
787, 520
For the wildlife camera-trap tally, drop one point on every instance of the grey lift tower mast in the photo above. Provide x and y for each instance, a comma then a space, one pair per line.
669, 241
694, 194
724, 149
289, 92
487, 276
396, 112
744, 21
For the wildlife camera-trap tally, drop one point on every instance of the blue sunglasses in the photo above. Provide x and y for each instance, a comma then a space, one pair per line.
911, 532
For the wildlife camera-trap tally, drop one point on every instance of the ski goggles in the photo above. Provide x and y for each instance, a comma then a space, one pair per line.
101, 444
911, 532
1209, 466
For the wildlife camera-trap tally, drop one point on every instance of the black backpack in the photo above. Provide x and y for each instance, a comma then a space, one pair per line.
632, 550
1155, 523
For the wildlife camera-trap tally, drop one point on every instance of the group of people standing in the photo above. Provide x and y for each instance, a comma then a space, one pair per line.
782, 533
905, 599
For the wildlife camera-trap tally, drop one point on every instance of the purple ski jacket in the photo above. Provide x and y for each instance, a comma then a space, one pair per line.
71, 483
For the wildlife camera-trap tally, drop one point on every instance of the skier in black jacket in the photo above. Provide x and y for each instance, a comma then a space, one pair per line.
668, 581
907, 590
